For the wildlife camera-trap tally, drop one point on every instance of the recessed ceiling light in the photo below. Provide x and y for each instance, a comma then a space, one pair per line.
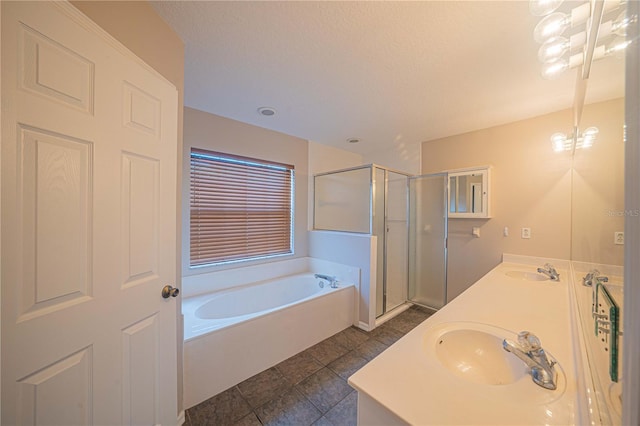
353, 140
267, 111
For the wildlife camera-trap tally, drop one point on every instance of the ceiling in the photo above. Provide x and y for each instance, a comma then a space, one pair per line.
388, 73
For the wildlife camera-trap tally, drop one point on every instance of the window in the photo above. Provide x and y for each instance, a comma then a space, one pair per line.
241, 208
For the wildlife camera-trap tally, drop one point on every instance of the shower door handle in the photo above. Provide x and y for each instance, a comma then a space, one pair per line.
169, 291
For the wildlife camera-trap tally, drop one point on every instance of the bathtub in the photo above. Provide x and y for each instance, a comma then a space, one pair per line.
234, 334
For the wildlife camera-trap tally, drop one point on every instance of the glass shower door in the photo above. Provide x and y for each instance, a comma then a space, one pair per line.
427, 240
390, 227
396, 241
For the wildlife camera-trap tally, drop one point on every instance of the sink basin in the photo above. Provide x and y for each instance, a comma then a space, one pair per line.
527, 276
477, 356
472, 352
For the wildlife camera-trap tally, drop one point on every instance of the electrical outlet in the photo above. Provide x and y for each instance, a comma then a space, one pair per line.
526, 233
618, 238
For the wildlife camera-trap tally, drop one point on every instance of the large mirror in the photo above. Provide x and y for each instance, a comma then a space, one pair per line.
597, 244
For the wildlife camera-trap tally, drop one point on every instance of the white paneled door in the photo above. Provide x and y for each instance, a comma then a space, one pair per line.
88, 225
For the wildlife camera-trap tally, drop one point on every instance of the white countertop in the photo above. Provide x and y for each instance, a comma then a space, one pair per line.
414, 386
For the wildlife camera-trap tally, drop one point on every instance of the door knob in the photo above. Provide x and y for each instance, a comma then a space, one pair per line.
169, 291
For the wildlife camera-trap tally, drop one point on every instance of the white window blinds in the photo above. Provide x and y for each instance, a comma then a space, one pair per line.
241, 208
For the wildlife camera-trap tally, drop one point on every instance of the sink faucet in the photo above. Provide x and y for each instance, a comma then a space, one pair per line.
550, 271
593, 276
528, 349
333, 281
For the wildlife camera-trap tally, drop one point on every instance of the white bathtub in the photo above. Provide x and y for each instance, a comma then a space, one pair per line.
234, 334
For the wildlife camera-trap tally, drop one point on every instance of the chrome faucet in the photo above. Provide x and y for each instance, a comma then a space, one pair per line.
550, 272
528, 349
333, 281
593, 276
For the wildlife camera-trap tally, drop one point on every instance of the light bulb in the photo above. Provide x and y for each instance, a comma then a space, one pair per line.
551, 26
553, 69
616, 47
588, 137
559, 142
622, 23
553, 49
543, 7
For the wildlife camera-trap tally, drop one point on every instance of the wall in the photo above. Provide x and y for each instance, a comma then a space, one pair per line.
136, 25
531, 187
212, 132
356, 250
402, 157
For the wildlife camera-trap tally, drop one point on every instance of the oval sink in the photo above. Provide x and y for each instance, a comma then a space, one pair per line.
527, 276
478, 356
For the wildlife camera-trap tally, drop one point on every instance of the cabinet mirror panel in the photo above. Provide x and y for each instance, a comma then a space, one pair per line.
469, 193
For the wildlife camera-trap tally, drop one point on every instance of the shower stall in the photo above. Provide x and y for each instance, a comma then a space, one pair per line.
406, 214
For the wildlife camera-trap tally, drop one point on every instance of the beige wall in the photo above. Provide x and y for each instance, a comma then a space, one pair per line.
136, 25
401, 156
324, 158
208, 131
531, 187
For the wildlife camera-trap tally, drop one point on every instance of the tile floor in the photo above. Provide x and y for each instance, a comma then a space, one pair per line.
310, 388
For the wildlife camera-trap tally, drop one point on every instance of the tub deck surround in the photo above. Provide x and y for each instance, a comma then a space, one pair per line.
202, 280
431, 394
213, 311
234, 334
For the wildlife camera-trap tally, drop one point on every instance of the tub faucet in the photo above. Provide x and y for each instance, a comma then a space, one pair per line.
528, 349
333, 281
550, 272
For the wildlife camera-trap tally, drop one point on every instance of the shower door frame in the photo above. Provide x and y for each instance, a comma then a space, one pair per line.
445, 189
385, 267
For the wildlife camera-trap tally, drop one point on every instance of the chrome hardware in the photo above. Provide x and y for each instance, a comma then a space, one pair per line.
529, 350
550, 272
333, 281
593, 276
168, 291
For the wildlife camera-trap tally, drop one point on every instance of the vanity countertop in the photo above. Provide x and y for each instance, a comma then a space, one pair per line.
408, 381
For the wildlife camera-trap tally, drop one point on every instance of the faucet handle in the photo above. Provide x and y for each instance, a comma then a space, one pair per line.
528, 341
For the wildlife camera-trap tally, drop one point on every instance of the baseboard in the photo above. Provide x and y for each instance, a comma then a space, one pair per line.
181, 418
364, 326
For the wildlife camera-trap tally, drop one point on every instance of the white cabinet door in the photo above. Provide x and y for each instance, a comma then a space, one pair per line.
89, 141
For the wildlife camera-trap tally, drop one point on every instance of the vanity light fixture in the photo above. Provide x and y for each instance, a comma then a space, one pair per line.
543, 7
557, 47
561, 142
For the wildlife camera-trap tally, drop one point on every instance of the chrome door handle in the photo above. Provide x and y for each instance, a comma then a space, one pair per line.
169, 291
